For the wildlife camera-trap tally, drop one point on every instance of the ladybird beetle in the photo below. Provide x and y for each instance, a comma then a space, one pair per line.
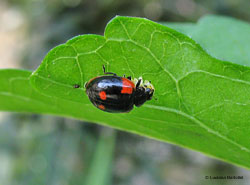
116, 94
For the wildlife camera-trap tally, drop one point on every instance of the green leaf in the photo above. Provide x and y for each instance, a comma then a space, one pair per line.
223, 37
17, 95
201, 102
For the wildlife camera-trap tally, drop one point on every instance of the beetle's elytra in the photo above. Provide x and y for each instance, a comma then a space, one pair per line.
116, 94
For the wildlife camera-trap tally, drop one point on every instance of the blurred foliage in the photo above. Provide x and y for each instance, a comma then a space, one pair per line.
45, 150
55, 21
38, 149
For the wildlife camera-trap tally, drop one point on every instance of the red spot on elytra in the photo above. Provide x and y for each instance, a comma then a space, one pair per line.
101, 107
127, 86
102, 95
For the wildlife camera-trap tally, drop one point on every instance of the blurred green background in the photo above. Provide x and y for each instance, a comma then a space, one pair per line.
42, 149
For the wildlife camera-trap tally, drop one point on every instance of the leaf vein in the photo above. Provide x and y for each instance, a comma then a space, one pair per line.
198, 122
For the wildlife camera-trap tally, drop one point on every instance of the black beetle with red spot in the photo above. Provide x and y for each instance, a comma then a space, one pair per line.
116, 94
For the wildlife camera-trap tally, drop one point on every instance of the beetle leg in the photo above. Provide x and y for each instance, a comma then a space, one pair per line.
129, 77
107, 73
103, 68
110, 73
138, 83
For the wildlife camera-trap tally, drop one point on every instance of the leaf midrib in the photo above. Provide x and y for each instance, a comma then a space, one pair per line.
198, 122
